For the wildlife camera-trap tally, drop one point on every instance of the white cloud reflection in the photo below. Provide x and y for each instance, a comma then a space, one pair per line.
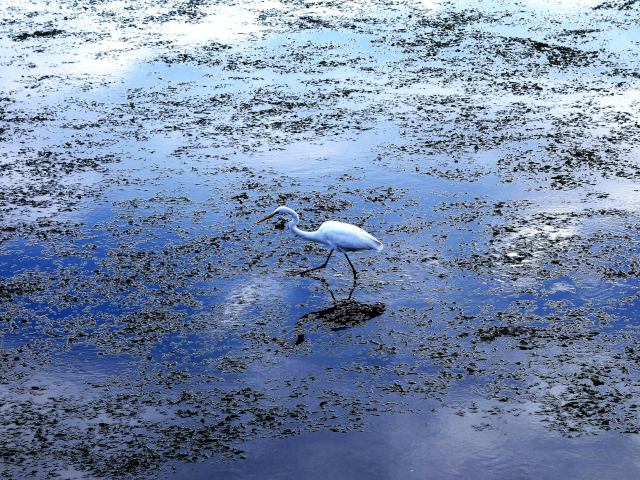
246, 295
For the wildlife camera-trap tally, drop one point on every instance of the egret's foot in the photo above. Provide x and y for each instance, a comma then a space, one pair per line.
353, 287
292, 273
309, 270
353, 269
317, 268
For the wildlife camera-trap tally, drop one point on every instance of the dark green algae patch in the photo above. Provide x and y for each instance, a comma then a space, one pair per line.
147, 324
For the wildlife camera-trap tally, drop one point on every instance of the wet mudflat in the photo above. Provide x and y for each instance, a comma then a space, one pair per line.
149, 328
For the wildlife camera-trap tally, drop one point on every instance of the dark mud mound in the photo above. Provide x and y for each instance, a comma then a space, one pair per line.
344, 314
38, 34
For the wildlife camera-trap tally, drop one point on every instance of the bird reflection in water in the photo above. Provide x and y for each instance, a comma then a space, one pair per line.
342, 314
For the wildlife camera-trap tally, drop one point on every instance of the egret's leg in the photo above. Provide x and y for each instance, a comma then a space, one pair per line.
355, 274
321, 266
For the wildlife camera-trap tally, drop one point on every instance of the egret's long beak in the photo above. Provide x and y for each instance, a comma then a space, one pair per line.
266, 218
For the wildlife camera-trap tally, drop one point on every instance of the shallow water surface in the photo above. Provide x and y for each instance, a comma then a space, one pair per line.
149, 328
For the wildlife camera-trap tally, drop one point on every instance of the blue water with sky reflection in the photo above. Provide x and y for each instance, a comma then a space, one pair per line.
150, 328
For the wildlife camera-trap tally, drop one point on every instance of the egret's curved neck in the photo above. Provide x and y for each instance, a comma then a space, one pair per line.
293, 224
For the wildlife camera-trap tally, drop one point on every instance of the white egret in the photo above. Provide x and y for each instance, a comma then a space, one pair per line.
339, 236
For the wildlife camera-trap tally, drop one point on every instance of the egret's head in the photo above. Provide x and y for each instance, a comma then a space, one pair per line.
278, 210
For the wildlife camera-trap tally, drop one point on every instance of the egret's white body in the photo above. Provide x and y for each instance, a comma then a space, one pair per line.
342, 237
339, 236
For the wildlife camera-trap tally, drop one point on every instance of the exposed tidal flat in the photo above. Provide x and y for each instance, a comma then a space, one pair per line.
148, 327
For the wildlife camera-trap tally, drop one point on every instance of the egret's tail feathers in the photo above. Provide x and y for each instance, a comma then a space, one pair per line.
379, 246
